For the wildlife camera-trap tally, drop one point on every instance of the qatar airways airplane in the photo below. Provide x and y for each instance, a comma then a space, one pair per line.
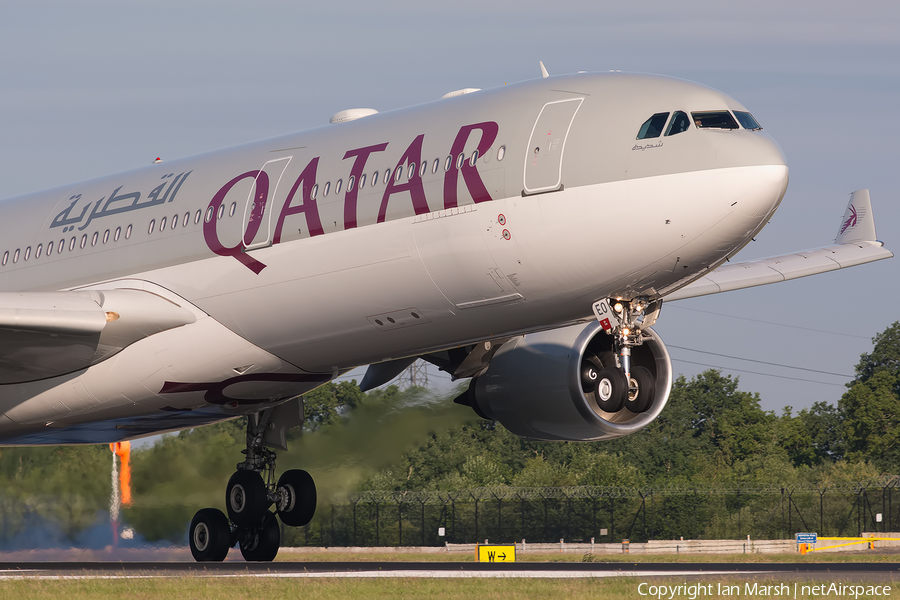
525, 237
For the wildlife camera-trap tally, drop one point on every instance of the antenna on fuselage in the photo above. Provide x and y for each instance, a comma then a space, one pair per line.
544, 72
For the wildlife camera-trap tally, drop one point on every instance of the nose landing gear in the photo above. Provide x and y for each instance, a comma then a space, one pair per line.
250, 493
616, 383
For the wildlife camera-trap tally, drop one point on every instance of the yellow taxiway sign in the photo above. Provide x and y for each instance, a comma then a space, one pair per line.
496, 553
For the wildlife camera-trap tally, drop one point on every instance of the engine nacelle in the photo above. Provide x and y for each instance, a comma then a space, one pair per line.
534, 385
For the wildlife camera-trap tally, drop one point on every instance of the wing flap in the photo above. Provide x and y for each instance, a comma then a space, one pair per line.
67, 313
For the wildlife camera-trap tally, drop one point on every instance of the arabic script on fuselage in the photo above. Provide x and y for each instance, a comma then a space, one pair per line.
117, 202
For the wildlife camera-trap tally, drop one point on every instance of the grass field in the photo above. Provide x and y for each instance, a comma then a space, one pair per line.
198, 588
307, 589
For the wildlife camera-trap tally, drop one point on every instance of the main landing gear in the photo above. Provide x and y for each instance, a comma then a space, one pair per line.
255, 503
610, 376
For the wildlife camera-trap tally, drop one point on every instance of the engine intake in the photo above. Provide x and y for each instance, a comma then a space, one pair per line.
536, 385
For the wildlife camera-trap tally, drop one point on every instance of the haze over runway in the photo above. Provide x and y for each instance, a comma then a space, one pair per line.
101, 87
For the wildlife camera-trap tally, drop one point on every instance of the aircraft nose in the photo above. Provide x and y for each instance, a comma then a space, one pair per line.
750, 149
763, 161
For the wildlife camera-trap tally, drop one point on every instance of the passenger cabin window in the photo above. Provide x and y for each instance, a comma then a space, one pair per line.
653, 127
747, 121
679, 123
714, 119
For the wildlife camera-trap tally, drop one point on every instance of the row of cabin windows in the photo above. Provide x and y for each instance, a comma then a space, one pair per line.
95, 239
60, 246
709, 119
186, 219
409, 171
398, 173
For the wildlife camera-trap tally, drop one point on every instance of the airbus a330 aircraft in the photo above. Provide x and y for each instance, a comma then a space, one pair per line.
525, 237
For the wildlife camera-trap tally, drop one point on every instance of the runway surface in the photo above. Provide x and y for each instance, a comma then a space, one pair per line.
116, 570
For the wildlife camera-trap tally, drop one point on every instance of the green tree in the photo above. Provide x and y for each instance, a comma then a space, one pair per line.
707, 427
814, 436
885, 355
326, 403
870, 409
64, 485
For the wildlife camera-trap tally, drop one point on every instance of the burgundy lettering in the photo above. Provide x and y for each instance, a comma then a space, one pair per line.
359, 165
307, 205
479, 193
413, 155
210, 234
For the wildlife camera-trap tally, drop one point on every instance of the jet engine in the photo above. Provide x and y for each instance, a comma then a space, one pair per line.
545, 385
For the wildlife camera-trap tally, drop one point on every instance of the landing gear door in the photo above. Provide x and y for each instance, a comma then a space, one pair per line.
605, 315
543, 163
258, 211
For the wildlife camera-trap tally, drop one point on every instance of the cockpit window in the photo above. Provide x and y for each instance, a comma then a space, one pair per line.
679, 123
747, 121
714, 119
653, 127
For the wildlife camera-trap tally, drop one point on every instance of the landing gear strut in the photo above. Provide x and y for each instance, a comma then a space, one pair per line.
613, 379
250, 492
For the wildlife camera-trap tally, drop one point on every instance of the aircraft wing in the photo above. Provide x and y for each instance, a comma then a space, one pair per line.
45, 334
855, 244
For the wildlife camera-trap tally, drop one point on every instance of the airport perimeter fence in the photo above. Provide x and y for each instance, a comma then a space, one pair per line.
606, 514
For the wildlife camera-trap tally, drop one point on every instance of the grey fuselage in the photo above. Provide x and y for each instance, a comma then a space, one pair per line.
495, 212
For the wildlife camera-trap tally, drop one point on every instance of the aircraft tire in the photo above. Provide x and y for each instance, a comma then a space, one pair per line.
612, 389
260, 544
209, 535
297, 503
246, 498
642, 399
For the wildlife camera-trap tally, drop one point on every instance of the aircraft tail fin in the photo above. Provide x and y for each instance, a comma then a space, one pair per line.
858, 222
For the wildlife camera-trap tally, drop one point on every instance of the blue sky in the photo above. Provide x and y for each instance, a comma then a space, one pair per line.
95, 87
